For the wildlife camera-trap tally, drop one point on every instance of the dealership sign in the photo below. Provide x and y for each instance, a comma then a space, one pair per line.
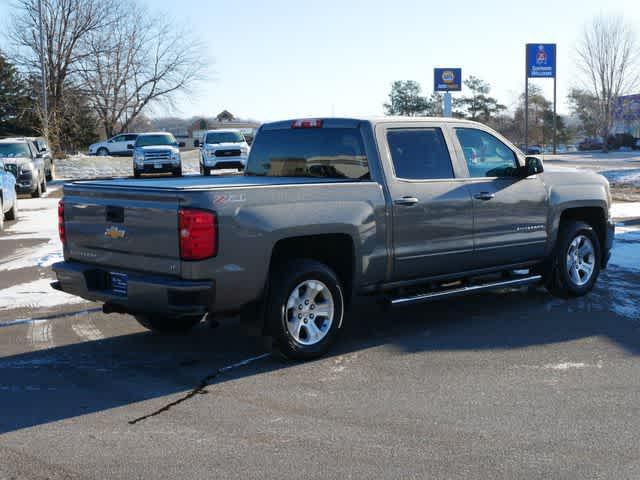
541, 60
447, 79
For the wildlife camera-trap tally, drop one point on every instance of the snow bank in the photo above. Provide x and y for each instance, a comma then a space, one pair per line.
627, 176
85, 166
37, 220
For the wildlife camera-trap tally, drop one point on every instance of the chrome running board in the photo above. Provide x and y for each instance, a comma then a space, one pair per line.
426, 297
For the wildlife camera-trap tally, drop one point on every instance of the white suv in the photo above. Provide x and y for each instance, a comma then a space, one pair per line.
115, 146
222, 149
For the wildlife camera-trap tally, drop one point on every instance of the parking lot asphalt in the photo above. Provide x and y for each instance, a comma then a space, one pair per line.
507, 384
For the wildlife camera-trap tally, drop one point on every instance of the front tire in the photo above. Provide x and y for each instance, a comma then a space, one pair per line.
177, 172
305, 309
13, 213
102, 152
576, 261
168, 325
37, 193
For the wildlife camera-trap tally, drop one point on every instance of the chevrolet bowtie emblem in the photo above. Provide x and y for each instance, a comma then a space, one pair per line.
114, 233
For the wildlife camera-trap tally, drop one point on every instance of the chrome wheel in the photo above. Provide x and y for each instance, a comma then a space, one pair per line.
309, 312
580, 260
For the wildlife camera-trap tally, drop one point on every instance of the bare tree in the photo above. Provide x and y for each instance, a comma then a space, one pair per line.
608, 55
140, 60
65, 24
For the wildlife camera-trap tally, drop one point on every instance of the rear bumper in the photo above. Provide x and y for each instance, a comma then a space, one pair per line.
608, 243
146, 294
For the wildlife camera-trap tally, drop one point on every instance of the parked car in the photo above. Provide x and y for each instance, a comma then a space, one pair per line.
534, 150
27, 165
40, 146
636, 145
590, 144
222, 149
327, 209
157, 152
115, 146
8, 196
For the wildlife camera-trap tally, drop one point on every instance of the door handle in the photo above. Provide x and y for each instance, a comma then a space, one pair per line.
406, 201
484, 196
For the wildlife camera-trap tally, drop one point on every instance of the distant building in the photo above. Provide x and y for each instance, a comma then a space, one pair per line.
626, 115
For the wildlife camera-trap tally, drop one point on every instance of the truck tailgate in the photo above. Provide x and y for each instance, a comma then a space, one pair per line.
128, 229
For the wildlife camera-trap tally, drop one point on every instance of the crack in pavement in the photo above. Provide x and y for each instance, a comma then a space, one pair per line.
200, 388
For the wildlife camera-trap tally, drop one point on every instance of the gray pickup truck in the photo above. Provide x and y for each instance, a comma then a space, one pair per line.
406, 209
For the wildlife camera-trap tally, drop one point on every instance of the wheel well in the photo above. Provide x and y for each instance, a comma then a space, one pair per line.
594, 216
334, 250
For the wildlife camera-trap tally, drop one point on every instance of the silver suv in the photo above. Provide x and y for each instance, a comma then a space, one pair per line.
157, 152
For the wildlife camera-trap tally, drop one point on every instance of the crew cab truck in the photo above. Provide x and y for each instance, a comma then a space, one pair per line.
404, 209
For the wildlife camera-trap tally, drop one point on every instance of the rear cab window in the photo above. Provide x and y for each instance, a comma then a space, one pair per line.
309, 152
419, 154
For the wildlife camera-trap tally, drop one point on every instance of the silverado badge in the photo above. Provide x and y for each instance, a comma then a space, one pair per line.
114, 233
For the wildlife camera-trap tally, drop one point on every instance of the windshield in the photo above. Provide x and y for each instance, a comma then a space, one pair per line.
224, 137
12, 150
313, 152
159, 139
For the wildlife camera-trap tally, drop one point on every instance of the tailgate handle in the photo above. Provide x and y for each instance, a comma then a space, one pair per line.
115, 214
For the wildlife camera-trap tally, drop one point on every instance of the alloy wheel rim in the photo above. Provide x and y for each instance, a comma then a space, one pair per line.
580, 260
309, 312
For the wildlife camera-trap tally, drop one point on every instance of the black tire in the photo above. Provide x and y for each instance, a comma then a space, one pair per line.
37, 193
102, 152
168, 325
557, 278
206, 171
1, 215
136, 174
283, 282
177, 172
43, 186
13, 213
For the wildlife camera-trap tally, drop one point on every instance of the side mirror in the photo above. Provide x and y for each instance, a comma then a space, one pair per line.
532, 166
181, 145
130, 146
39, 155
196, 143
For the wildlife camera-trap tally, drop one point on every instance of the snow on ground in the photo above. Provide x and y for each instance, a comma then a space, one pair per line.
37, 294
629, 176
622, 210
37, 220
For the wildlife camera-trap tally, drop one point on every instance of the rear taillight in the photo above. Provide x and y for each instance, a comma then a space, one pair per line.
198, 234
61, 220
307, 123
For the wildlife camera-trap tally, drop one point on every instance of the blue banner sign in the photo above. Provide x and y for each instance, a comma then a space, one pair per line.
541, 60
447, 79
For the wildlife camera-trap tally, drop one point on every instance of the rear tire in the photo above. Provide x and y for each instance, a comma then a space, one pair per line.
168, 325
575, 264
305, 309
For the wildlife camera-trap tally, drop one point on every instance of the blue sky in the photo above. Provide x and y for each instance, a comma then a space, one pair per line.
280, 58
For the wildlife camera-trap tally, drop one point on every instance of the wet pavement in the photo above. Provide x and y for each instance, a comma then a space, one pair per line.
508, 384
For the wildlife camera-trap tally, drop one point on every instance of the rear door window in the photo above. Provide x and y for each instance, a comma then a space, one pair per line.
419, 154
309, 152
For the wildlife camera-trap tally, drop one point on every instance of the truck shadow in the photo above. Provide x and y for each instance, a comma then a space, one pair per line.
89, 377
